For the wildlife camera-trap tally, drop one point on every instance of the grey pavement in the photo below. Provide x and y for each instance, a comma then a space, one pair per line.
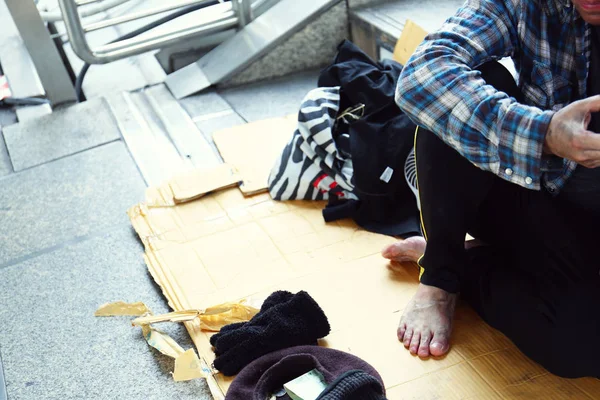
54, 348
272, 98
67, 247
43, 207
66, 131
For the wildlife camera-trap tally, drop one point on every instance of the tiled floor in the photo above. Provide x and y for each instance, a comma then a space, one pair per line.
66, 131
66, 247
52, 345
216, 110
274, 98
64, 200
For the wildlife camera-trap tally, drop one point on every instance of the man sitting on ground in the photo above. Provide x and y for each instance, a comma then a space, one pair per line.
516, 166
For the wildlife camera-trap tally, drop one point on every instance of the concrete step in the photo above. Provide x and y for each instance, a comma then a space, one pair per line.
161, 136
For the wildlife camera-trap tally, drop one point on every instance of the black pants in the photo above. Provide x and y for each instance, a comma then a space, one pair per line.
538, 278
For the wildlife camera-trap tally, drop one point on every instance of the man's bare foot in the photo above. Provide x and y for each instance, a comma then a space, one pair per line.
410, 249
426, 325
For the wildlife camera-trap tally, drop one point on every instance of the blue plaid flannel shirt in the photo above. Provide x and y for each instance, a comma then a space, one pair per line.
438, 89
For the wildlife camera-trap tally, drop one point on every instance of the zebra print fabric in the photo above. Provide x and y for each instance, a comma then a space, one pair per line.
311, 167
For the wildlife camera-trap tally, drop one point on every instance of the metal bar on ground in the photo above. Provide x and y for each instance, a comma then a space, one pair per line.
141, 14
50, 68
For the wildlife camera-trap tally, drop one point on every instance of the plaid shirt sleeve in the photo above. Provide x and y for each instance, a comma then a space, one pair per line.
439, 90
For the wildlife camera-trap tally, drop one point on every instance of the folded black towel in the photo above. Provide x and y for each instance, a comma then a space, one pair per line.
284, 320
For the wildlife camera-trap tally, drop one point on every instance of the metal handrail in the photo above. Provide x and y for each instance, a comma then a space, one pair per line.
141, 14
138, 45
84, 2
241, 13
122, 48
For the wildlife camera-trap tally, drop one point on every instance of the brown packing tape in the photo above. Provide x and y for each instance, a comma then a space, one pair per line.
187, 364
120, 308
188, 367
177, 316
211, 319
162, 342
412, 36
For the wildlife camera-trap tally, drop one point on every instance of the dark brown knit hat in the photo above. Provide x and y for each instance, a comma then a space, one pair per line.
266, 375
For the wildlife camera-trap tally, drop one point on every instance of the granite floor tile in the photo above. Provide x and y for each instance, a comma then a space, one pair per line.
54, 348
72, 197
273, 98
212, 125
64, 132
203, 104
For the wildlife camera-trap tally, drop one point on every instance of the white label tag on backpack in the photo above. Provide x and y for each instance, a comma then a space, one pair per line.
387, 175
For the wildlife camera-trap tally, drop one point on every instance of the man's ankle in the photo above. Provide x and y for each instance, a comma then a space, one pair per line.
433, 292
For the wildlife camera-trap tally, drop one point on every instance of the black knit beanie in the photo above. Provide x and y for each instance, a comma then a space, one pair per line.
347, 376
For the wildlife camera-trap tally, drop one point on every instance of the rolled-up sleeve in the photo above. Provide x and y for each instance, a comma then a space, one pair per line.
440, 90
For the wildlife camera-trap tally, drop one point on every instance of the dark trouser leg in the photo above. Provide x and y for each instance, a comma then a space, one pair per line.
538, 280
558, 326
451, 190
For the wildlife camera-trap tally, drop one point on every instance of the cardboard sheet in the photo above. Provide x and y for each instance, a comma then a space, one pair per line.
226, 247
411, 37
253, 148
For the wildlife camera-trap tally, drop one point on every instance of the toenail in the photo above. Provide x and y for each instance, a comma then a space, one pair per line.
440, 346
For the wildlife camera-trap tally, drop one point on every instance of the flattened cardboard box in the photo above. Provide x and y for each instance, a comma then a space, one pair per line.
223, 246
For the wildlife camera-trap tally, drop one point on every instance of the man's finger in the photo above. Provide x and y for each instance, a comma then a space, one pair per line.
590, 141
591, 104
591, 160
587, 158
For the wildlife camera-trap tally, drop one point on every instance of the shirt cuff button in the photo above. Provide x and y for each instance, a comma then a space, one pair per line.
528, 180
508, 171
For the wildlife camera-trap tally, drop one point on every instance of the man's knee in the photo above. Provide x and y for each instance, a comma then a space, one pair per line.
496, 75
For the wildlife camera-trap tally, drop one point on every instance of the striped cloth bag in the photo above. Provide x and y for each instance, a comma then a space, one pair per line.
311, 167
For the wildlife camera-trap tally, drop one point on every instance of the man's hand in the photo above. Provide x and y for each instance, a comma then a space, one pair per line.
568, 136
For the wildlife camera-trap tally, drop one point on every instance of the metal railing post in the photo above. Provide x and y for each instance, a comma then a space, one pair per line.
48, 63
243, 9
